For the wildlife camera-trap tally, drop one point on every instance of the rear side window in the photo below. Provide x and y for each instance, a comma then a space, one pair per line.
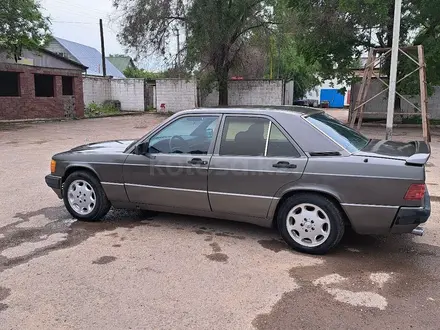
347, 137
244, 136
253, 136
279, 145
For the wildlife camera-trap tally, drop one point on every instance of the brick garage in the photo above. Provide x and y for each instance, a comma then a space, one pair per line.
32, 92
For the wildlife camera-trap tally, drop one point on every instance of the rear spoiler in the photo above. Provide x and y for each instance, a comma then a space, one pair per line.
418, 159
422, 154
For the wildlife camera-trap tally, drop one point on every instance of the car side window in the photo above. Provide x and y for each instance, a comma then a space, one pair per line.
244, 136
279, 145
187, 135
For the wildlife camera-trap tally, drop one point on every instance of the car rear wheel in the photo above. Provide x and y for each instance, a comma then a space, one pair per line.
310, 223
84, 197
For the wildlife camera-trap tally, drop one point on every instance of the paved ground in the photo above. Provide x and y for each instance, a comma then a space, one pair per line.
175, 272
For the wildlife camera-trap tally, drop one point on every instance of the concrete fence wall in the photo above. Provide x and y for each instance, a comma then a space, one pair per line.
130, 92
380, 103
249, 92
176, 94
96, 90
179, 94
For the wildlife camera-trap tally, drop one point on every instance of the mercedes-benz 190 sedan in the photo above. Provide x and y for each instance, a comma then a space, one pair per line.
294, 168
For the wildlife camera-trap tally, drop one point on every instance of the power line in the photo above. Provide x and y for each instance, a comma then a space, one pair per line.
64, 4
75, 13
71, 22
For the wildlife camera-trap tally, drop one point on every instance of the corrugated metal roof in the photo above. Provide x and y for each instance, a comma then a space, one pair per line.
120, 62
91, 58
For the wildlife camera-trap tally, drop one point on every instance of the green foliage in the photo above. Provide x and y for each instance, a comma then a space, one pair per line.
334, 32
291, 65
215, 31
22, 26
141, 73
98, 110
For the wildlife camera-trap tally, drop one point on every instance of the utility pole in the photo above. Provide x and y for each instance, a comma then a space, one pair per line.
104, 69
393, 69
279, 57
178, 46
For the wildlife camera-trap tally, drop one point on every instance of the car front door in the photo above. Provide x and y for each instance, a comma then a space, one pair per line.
252, 160
173, 170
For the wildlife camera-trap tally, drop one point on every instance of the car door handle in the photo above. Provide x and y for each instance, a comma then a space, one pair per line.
284, 165
198, 161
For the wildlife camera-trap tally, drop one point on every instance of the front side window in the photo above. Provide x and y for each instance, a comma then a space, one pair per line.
188, 135
347, 137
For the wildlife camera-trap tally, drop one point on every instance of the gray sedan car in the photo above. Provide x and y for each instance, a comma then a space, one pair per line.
294, 168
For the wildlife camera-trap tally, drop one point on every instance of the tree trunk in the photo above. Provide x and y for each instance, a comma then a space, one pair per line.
223, 88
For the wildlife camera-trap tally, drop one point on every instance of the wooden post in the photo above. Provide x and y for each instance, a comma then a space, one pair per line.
359, 97
369, 72
423, 94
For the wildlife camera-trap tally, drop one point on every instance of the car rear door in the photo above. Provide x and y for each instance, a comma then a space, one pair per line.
253, 159
173, 173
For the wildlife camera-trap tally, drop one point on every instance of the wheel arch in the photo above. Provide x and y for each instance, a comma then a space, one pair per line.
76, 168
325, 193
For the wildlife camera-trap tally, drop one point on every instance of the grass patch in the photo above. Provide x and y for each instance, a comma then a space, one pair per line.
413, 120
99, 110
418, 120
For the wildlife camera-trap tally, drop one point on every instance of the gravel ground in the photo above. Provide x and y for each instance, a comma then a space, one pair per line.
177, 272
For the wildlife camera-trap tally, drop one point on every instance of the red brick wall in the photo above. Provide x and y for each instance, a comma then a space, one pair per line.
27, 106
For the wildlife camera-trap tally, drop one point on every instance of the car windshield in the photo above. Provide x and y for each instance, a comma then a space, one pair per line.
347, 137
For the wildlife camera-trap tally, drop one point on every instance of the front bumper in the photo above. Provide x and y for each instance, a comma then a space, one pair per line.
55, 182
409, 218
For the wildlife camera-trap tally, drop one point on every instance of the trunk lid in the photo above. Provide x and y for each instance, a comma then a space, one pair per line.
415, 153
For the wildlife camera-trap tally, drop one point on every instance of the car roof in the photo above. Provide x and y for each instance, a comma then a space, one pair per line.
265, 110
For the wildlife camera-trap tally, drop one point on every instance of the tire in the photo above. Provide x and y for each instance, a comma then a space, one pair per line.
92, 197
310, 215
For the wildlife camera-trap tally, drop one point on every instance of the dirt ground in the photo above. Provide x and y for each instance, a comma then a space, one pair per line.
179, 272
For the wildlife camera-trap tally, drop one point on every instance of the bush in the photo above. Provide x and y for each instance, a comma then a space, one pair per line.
97, 110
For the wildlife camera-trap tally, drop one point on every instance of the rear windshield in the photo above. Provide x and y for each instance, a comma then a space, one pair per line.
350, 139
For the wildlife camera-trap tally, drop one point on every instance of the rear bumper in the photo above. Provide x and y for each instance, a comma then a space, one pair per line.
55, 183
383, 220
409, 218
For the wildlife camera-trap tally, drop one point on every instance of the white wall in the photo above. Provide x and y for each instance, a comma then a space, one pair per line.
249, 92
96, 90
176, 94
130, 92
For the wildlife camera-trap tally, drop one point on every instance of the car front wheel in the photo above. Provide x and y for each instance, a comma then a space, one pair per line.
84, 197
310, 223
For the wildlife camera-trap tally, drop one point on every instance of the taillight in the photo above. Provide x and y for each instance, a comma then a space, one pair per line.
415, 192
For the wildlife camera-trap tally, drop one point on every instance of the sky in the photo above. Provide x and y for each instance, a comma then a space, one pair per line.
78, 21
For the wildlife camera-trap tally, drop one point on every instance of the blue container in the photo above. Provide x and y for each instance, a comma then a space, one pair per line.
332, 96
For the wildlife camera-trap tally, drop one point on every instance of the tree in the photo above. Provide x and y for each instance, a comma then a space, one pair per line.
291, 65
22, 25
215, 31
141, 73
336, 32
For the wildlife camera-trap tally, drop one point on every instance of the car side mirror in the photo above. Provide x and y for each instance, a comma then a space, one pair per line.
142, 149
